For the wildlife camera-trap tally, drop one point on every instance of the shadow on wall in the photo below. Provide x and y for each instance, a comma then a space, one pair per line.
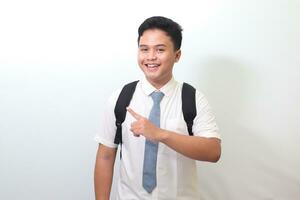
242, 172
223, 82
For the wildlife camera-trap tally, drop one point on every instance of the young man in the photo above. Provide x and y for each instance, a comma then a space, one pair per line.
158, 155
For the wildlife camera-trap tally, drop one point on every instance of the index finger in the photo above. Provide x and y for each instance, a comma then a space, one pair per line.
134, 114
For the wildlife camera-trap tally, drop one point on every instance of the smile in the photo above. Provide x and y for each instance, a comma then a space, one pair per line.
152, 65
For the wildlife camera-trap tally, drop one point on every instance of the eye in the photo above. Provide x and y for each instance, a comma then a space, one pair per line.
143, 49
160, 50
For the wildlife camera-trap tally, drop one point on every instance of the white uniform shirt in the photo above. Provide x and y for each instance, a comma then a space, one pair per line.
176, 174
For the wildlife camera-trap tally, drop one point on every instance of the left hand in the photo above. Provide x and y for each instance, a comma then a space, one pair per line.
142, 126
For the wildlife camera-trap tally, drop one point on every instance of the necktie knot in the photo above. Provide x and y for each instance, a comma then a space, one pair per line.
157, 97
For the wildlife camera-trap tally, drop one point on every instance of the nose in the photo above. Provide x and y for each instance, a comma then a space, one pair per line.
152, 55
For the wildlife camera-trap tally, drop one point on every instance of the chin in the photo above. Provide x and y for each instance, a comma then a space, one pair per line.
151, 74
152, 78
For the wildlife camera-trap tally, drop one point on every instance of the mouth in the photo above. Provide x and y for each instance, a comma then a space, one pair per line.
152, 66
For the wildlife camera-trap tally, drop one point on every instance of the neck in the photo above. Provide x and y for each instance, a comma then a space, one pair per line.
159, 84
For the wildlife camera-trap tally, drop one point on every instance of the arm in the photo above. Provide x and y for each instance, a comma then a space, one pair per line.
195, 147
103, 174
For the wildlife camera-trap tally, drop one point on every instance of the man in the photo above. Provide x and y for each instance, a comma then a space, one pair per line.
156, 126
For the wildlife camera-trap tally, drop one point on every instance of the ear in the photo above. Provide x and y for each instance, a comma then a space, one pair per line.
177, 55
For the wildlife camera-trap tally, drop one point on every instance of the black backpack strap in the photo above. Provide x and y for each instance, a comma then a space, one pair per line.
120, 108
189, 109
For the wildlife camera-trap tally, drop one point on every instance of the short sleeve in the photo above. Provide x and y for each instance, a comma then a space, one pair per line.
204, 123
107, 131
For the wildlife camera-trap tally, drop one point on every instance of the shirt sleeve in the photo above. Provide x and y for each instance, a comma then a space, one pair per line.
107, 131
204, 123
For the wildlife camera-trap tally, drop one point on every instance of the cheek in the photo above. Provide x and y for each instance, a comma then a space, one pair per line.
139, 59
167, 60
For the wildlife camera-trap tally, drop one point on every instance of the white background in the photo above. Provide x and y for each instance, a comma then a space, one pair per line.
61, 59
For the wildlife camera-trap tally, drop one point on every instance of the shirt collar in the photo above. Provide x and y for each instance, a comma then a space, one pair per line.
167, 89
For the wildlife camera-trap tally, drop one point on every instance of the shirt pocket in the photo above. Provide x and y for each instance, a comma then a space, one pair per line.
177, 125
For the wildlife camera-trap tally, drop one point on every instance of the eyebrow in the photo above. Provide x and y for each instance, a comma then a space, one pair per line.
159, 45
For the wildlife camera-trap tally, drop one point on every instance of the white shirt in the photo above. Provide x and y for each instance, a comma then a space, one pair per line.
176, 174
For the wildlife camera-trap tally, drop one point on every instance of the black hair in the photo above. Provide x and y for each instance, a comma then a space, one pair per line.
167, 25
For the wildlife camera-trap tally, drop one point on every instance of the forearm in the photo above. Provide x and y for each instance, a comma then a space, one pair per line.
195, 147
103, 181
103, 176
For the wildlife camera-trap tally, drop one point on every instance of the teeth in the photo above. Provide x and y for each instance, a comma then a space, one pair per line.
152, 65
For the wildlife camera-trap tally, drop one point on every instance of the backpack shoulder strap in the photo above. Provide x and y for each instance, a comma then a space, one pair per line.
120, 108
189, 109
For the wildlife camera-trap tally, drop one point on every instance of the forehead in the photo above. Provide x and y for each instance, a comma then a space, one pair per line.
155, 37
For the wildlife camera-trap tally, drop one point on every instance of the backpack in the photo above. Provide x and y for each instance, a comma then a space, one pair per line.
188, 107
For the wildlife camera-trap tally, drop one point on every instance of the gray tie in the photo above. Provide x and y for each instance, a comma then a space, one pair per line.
151, 147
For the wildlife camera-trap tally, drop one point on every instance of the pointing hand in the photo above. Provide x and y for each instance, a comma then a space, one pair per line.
142, 126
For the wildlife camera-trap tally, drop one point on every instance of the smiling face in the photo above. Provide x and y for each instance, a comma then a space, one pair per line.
156, 56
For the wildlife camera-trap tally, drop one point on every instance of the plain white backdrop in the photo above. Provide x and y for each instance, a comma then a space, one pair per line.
60, 60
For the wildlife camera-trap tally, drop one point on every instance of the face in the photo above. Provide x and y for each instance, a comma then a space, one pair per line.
156, 56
